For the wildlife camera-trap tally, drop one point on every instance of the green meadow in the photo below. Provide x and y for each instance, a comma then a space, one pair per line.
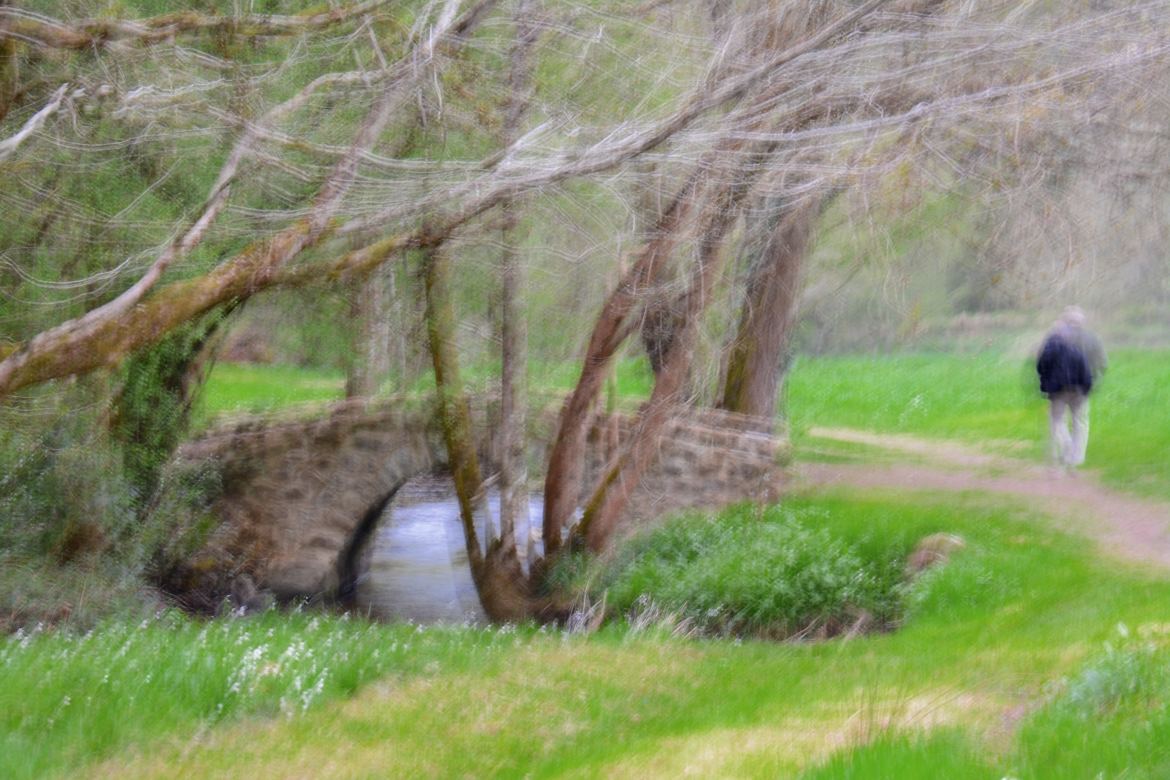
237, 388
1028, 655
1025, 656
992, 400
350, 190
986, 399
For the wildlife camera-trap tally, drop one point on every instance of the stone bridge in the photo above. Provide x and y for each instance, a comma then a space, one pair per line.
301, 491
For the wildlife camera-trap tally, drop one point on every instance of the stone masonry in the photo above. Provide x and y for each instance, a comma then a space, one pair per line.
301, 491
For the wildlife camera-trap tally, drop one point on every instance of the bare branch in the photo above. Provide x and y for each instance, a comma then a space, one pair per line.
48, 33
609, 152
35, 122
825, 91
106, 334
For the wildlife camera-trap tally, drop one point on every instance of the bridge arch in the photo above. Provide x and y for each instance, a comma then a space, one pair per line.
300, 492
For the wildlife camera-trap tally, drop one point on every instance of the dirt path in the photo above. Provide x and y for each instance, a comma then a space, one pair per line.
1133, 528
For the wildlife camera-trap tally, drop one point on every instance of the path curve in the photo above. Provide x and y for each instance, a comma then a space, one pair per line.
1130, 527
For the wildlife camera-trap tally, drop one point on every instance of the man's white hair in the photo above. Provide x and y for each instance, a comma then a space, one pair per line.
1073, 315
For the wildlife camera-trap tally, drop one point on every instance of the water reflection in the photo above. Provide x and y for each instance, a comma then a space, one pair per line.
417, 561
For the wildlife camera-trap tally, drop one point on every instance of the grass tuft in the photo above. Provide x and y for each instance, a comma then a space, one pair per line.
1110, 719
908, 756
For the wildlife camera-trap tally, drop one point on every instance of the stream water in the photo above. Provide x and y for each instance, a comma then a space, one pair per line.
417, 561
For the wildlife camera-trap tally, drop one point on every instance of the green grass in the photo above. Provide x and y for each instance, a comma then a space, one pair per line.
909, 755
978, 398
1017, 610
1111, 719
67, 699
981, 398
240, 387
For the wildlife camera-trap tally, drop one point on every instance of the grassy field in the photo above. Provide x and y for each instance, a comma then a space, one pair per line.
1027, 656
241, 387
1024, 651
67, 699
237, 387
979, 398
990, 399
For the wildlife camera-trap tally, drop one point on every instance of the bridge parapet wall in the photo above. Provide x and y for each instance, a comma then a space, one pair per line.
706, 458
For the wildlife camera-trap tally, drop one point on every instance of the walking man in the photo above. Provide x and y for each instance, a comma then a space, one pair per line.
1070, 361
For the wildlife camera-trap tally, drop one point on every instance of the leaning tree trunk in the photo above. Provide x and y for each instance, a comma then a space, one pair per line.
566, 463
499, 579
613, 493
141, 316
562, 488
767, 316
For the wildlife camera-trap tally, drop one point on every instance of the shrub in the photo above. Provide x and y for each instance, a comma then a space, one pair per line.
80, 465
746, 571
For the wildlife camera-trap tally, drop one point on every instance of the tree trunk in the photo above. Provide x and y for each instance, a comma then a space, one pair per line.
659, 320
358, 376
562, 486
381, 328
454, 412
767, 315
513, 331
369, 313
513, 388
499, 579
612, 495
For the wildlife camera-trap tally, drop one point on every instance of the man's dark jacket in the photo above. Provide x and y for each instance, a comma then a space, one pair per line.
1063, 366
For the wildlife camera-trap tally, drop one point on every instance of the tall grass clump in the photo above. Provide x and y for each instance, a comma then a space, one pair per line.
68, 698
907, 756
748, 571
1109, 719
